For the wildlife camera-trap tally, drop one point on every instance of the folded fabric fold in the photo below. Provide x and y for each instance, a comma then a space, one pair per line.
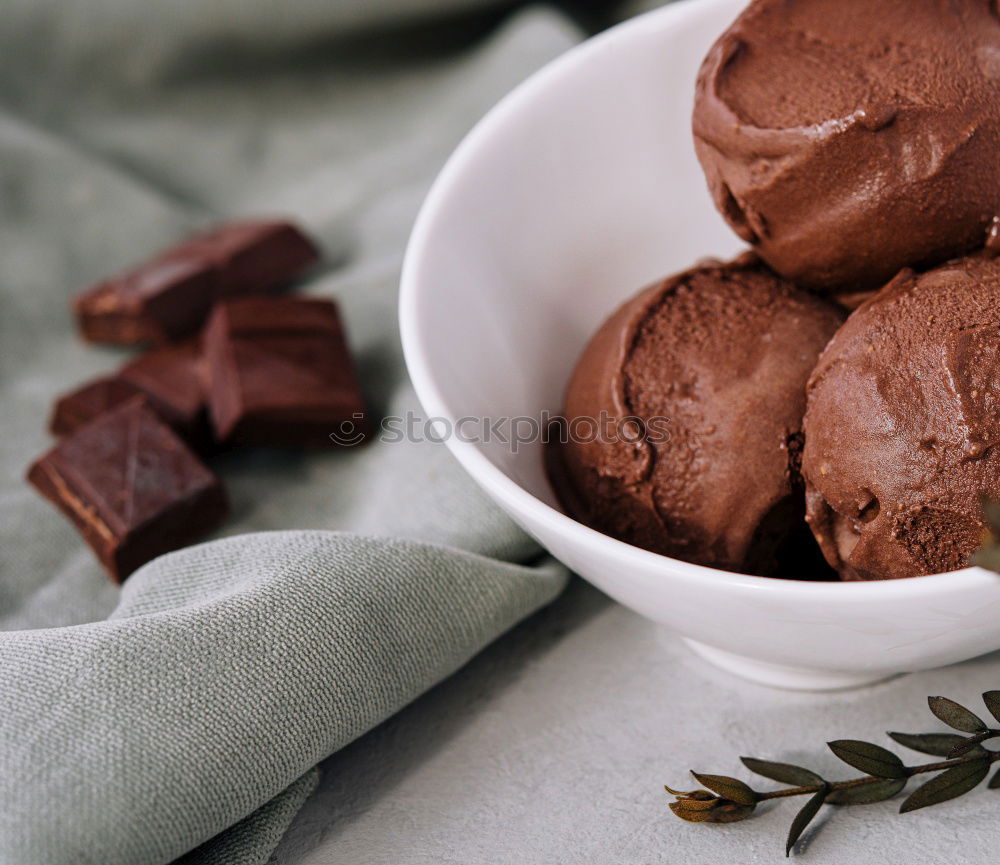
254, 838
226, 672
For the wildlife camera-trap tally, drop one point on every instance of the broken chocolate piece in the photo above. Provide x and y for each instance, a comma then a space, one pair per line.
257, 257
279, 373
132, 488
85, 403
167, 298
171, 377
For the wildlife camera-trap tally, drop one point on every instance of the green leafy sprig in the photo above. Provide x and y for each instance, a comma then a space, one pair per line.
967, 762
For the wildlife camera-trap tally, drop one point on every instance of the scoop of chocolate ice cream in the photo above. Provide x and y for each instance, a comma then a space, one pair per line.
847, 140
903, 425
685, 417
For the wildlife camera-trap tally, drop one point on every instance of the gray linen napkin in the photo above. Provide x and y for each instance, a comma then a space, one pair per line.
228, 670
135, 726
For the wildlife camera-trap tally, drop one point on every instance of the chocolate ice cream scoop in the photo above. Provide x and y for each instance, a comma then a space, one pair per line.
903, 425
847, 140
685, 417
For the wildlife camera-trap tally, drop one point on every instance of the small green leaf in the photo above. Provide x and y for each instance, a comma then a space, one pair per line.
804, 818
949, 784
936, 744
689, 794
873, 759
992, 701
710, 810
684, 809
730, 812
698, 803
994, 781
728, 788
784, 773
867, 794
968, 745
956, 716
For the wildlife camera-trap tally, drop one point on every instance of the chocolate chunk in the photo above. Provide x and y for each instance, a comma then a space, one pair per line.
168, 298
172, 379
279, 373
85, 403
169, 377
163, 300
258, 257
132, 488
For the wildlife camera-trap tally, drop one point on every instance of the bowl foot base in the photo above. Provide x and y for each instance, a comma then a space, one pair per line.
781, 676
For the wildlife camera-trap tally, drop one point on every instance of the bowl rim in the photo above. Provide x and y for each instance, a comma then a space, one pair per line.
493, 479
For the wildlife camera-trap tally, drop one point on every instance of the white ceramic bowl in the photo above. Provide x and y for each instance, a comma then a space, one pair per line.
579, 188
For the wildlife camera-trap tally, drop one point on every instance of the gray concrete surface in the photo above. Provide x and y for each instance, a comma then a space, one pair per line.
552, 747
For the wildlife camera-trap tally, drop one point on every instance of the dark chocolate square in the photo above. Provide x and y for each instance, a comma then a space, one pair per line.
279, 372
168, 297
169, 377
82, 405
131, 486
164, 299
173, 380
257, 257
